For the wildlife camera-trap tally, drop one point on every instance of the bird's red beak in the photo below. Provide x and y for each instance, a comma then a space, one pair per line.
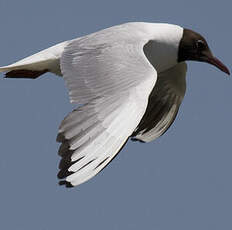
216, 62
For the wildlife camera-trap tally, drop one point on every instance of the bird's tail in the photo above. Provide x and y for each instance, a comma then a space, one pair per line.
47, 60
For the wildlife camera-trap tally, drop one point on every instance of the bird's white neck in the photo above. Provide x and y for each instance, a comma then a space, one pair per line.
162, 50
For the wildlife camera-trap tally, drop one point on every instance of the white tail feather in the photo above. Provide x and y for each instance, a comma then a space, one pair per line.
48, 59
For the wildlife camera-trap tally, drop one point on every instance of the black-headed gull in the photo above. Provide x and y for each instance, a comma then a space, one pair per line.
129, 81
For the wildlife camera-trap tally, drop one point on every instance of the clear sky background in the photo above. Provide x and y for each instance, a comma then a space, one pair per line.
180, 181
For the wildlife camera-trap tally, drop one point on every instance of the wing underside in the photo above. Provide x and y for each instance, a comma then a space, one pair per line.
163, 105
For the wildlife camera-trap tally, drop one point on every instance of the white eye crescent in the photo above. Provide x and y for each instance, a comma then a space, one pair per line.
200, 44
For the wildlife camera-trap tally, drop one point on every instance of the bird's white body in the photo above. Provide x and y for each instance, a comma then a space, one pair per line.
112, 73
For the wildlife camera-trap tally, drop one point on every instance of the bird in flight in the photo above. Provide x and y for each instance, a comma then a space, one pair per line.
128, 81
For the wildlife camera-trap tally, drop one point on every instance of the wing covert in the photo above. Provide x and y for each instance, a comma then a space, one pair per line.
97, 65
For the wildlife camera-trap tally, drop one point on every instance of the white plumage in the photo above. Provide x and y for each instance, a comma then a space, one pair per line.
128, 83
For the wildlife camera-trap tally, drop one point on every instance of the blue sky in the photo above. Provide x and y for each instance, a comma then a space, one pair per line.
180, 181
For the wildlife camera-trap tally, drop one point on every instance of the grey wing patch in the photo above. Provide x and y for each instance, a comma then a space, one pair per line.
163, 105
158, 117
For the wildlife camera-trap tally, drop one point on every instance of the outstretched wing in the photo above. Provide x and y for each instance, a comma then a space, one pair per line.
163, 105
112, 80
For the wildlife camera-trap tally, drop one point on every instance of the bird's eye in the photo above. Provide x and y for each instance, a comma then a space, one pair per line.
200, 45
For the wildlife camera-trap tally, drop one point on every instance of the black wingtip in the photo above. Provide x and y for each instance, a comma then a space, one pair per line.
63, 173
66, 184
134, 140
64, 149
60, 138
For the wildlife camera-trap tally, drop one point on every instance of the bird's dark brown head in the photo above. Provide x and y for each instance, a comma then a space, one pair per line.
194, 47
